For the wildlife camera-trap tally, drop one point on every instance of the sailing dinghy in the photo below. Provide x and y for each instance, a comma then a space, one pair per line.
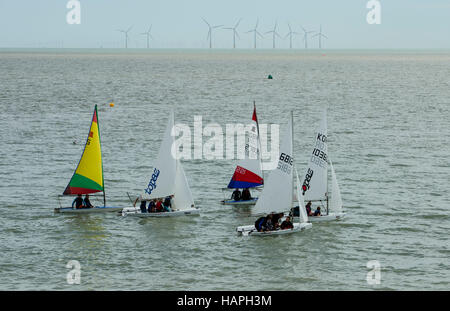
168, 179
315, 184
277, 195
88, 176
248, 171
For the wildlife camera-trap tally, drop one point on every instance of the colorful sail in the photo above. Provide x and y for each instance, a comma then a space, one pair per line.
88, 176
248, 171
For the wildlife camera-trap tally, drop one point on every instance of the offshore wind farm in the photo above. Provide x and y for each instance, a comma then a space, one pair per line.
213, 29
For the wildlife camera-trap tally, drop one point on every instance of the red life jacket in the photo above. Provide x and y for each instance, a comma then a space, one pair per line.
159, 206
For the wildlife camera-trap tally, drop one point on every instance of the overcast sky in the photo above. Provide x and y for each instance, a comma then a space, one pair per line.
178, 23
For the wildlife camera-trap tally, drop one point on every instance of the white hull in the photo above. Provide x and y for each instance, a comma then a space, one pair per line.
136, 212
251, 230
329, 217
96, 209
246, 202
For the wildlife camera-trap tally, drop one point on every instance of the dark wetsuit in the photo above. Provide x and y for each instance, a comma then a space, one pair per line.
246, 195
236, 195
78, 202
151, 207
143, 207
87, 203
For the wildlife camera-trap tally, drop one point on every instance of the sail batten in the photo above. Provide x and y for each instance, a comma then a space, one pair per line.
88, 176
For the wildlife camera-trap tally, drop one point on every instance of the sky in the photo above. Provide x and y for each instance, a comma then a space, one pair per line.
409, 24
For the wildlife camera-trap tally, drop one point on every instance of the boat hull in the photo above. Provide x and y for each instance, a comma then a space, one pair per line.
246, 202
135, 212
96, 209
329, 217
251, 230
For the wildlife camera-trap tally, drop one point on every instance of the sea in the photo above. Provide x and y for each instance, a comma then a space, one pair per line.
388, 138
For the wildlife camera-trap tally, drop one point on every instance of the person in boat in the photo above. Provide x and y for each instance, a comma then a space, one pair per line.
87, 203
287, 224
236, 195
159, 206
246, 195
260, 223
317, 212
308, 209
269, 223
143, 206
78, 202
276, 220
151, 206
167, 205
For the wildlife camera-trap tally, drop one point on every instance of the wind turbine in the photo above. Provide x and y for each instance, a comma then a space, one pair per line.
255, 31
275, 33
126, 35
234, 32
290, 33
305, 36
320, 34
209, 36
148, 35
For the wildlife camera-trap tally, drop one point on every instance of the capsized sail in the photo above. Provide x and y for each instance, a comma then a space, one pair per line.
162, 179
248, 171
336, 200
314, 185
277, 194
88, 176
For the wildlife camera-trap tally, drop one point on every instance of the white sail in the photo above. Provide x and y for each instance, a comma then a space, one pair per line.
315, 181
162, 179
301, 201
183, 196
277, 194
336, 200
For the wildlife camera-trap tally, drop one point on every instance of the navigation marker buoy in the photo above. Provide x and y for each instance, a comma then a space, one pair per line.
111, 104
270, 77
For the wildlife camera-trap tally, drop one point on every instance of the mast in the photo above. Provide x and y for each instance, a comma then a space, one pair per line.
292, 144
101, 157
259, 141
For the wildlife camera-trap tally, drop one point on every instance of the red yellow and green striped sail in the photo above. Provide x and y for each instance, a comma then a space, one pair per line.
88, 177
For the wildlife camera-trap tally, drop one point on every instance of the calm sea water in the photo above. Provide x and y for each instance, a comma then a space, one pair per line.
388, 125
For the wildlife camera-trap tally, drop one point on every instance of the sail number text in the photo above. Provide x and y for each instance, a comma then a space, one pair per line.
285, 163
